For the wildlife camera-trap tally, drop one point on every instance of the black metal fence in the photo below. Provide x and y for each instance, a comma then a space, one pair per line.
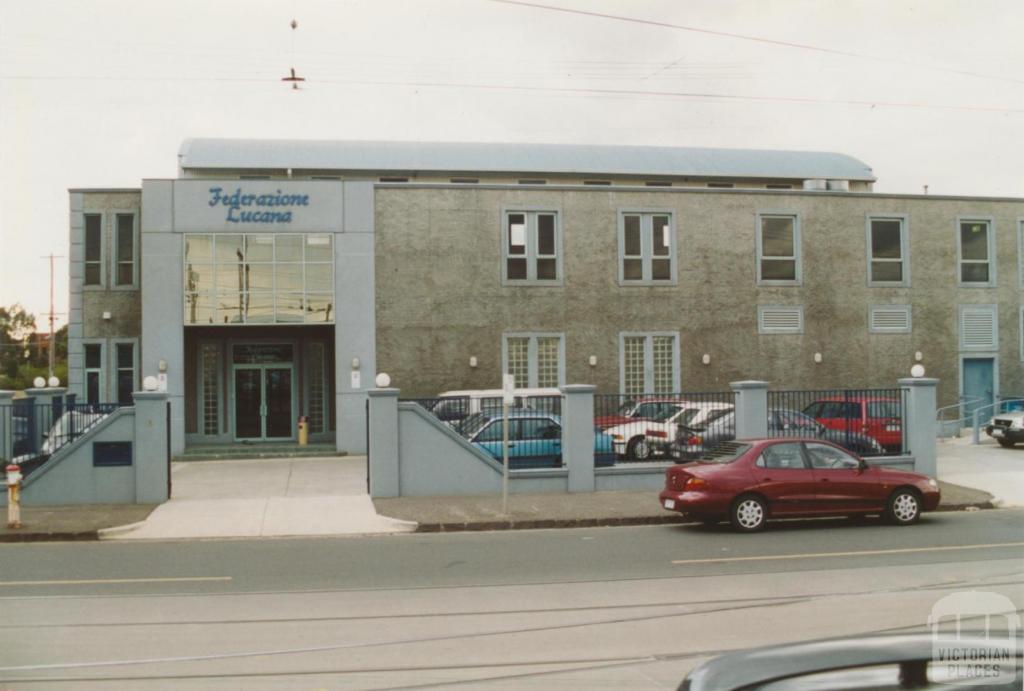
869, 422
664, 427
37, 431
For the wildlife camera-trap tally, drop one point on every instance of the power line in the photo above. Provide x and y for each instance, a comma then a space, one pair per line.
758, 39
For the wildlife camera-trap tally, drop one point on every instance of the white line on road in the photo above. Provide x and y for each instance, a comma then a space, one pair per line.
92, 581
819, 555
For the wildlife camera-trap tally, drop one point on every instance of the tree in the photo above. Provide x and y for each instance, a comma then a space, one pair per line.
16, 326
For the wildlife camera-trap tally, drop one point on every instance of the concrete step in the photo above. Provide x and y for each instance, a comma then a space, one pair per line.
219, 452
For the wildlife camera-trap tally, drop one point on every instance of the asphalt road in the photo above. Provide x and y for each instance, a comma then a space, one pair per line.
584, 608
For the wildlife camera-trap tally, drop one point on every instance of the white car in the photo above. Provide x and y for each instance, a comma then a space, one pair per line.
1007, 428
630, 439
68, 427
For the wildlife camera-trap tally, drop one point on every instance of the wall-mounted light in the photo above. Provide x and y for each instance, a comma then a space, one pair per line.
383, 381
472, 361
817, 358
592, 360
161, 366
706, 358
106, 316
919, 356
355, 363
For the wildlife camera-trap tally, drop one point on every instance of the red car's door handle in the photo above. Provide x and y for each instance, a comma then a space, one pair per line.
824, 479
767, 479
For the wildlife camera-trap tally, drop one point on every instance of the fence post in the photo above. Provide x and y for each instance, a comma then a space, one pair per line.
45, 403
150, 447
578, 436
383, 411
751, 409
919, 423
6, 425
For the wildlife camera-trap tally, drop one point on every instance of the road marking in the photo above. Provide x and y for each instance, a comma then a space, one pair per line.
92, 581
819, 555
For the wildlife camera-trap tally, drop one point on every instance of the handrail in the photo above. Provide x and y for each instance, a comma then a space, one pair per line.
976, 432
940, 416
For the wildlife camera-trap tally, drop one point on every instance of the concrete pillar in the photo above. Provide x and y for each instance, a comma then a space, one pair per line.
383, 451
919, 399
751, 409
49, 405
152, 466
578, 436
6, 425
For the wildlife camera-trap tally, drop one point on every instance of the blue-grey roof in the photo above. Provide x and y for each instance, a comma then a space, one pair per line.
467, 157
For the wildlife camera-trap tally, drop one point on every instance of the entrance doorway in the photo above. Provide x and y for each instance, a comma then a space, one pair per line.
978, 385
263, 384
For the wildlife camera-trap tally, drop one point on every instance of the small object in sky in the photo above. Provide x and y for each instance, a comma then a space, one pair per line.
293, 78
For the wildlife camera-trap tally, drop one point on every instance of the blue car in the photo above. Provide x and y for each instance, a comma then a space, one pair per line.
534, 439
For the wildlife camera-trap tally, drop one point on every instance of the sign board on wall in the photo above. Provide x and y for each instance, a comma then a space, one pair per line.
224, 206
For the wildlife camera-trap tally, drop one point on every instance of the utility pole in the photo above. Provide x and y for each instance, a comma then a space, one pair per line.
53, 340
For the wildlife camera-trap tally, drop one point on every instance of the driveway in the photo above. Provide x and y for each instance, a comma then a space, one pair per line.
265, 498
985, 466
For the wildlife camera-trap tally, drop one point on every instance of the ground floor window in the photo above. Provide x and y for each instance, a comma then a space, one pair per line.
125, 354
535, 360
649, 363
93, 372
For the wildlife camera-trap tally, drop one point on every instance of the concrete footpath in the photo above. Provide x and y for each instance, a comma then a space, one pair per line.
288, 505
985, 466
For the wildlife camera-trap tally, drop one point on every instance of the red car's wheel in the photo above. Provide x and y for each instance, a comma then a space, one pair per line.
748, 514
904, 507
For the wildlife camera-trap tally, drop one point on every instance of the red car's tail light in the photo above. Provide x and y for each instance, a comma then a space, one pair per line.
694, 440
695, 483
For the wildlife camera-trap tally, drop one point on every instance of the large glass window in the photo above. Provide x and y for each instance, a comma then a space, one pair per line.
93, 372
531, 246
259, 279
125, 353
778, 250
535, 360
124, 258
93, 250
646, 248
975, 253
887, 248
649, 363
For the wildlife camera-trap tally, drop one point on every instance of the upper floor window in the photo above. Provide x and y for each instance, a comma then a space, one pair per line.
1020, 251
531, 247
974, 251
778, 249
887, 251
124, 259
93, 249
647, 242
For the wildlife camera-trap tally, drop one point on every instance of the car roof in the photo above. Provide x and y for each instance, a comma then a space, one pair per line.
855, 399
520, 412
747, 668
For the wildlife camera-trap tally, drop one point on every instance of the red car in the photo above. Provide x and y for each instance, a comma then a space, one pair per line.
751, 481
878, 417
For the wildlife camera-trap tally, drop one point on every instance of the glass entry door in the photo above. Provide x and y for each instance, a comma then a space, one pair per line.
264, 395
263, 402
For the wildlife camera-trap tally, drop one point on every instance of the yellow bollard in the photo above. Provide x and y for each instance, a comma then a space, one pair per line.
303, 430
13, 498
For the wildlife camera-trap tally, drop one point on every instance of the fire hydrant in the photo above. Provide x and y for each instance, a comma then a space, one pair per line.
303, 430
13, 498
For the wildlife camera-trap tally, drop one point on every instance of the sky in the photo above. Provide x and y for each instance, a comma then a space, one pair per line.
101, 93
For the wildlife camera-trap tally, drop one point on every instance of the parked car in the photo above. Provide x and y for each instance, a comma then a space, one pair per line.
1007, 428
646, 408
535, 439
453, 406
749, 482
642, 439
880, 418
782, 422
68, 427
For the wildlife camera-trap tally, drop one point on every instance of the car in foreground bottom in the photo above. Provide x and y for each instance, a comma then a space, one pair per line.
877, 662
750, 482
